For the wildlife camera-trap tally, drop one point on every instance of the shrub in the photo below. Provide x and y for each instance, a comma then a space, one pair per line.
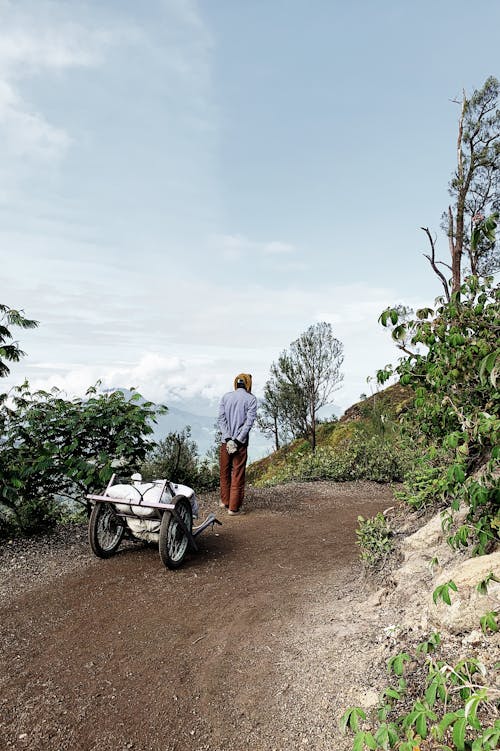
456, 405
36, 515
425, 485
455, 709
374, 537
360, 458
53, 447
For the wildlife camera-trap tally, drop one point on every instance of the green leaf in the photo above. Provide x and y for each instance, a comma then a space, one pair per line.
391, 693
382, 712
396, 663
370, 741
399, 332
424, 313
489, 368
393, 734
488, 622
443, 592
459, 733
482, 587
430, 694
448, 719
382, 737
421, 725
351, 719
471, 707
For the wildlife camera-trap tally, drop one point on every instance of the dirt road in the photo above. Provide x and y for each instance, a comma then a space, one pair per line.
124, 654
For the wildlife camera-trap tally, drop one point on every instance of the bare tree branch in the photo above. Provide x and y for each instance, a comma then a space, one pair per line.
433, 262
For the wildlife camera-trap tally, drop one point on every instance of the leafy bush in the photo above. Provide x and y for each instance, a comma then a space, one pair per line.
425, 484
208, 475
455, 710
176, 458
357, 458
36, 515
55, 448
374, 538
382, 461
456, 409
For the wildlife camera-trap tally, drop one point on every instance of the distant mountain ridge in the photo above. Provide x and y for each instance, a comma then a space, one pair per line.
202, 427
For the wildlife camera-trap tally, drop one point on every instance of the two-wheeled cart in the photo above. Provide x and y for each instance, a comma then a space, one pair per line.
160, 511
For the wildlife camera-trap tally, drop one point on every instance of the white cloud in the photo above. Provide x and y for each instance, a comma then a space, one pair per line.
193, 48
158, 377
36, 39
194, 345
30, 45
278, 248
239, 246
27, 133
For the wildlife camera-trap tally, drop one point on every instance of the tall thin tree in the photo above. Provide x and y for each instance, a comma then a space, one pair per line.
306, 375
475, 190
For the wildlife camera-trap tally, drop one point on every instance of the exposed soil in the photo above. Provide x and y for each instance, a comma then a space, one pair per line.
258, 642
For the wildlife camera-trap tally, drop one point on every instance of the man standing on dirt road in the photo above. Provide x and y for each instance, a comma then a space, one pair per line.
237, 412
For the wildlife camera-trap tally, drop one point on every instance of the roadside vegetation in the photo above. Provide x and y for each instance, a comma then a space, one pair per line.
177, 457
455, 427
451, 360
55, 450
365, 444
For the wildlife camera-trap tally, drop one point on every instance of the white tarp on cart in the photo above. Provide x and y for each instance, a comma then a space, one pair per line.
143, 524
157, 491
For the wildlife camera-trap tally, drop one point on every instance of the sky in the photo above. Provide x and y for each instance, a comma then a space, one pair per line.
186, 186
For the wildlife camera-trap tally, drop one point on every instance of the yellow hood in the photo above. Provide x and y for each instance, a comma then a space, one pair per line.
247, 380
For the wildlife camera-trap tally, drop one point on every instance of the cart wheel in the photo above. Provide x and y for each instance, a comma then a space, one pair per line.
105, 530
173, 542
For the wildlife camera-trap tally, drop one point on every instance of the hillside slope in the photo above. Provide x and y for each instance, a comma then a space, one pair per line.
377, 416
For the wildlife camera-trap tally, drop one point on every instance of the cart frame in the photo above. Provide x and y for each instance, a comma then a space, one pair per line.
174, 509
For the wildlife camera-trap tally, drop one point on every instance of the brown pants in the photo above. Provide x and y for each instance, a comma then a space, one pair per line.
232, 477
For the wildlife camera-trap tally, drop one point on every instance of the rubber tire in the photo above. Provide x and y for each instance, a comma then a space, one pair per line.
97, 517
171, 534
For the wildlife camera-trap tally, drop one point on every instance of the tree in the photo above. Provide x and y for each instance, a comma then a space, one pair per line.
475, 191
208, 474
175, 457
9, 349
306, 375
272, 416
53, 447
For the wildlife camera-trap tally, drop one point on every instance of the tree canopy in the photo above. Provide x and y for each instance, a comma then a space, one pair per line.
302, 381
9, 349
